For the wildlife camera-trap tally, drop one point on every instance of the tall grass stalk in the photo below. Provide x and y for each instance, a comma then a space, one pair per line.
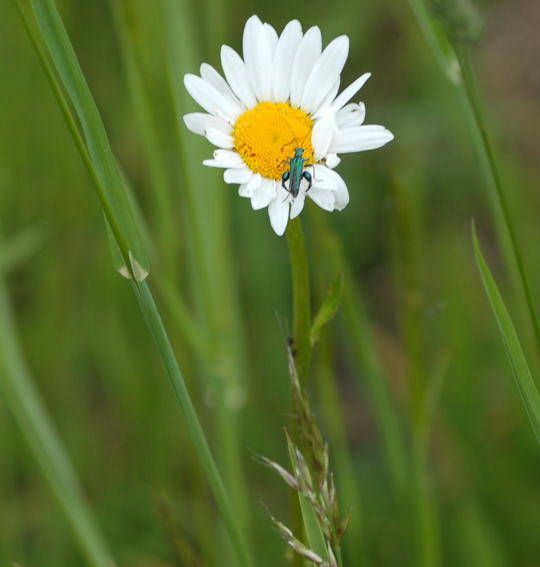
102, 165
22, 397
214, 284
466, 86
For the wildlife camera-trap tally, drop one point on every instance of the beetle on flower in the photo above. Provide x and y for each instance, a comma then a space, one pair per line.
281, 98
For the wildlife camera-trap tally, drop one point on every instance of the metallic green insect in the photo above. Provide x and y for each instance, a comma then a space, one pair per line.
296, 173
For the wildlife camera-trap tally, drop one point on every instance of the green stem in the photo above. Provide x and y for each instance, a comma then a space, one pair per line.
23, 400
467, 90
301, 299
214, 284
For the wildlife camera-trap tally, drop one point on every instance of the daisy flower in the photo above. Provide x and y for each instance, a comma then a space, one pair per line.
281, 96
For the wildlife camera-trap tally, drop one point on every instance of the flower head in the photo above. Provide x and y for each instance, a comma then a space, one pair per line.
280, 101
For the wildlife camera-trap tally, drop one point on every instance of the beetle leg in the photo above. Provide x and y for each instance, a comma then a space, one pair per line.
285, 177
307, 176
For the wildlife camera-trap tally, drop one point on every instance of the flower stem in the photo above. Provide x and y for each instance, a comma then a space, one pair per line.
301, 299
301, 346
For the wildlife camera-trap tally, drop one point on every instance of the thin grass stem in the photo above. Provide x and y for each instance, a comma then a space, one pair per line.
301, 296
466, 86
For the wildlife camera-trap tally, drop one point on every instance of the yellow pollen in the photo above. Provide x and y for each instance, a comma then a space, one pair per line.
266, 137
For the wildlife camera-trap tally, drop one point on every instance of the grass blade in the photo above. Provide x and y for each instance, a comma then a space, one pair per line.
467, 90
120, 215
117, 204
518, 362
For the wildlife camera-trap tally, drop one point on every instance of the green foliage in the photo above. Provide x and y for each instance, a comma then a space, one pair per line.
520, 368
451, 480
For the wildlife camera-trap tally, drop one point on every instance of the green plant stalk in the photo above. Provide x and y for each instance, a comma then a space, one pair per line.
211, 254
301, 299
62, 50
73, 129
115, 199
485, 149
301, 308
437, 40
520, 369
22, 398
467, 91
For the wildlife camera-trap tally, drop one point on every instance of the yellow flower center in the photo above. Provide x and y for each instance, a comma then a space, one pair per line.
266, 137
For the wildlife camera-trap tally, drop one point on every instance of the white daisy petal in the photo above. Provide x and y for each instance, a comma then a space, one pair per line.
258, 58
235, 71
350, 91
325, 104
324, 73
327, 180
293, 69
199, 122
351, 115
307, 54
341, 195
322, 135
237, 174
271, 37
278, 211
297, 205
211, 99
332, 160
360, 138
264, 194
210, 75
264, 69
283, 59
225, 158
325, 199
219, 139
248, 189
323, 178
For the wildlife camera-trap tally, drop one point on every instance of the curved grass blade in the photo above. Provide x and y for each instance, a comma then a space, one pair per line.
58, 44
118, 206
520, 368
438, 36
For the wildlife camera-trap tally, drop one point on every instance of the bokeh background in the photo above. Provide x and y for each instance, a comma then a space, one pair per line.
406, 245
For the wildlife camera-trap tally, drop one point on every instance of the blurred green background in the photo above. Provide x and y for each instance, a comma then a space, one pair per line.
407, 245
